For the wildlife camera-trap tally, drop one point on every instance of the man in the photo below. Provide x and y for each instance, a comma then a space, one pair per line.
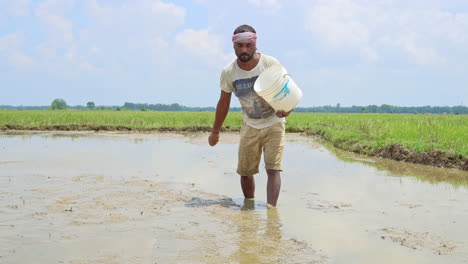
263, 129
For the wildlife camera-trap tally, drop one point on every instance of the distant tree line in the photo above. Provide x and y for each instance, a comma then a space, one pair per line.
385, 108
48, 107
165, 107
58, 104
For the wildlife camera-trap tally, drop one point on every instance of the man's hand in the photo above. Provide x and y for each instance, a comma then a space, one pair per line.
213, 139
282, 113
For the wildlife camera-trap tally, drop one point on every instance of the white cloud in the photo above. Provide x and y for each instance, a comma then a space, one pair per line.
175, 14
337, 23
343, 23
9, 41
86, 67
52, 14
80, 60
460, 26
369, 28
60, 48
114, 33
129, 32
11, 49
16, 7
71, 55
19, 59
46, 52
422, 55
142, 16
203, 45
267, 5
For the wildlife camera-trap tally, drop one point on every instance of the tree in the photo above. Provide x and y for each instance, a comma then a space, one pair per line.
58, 104
143, 107
90, 105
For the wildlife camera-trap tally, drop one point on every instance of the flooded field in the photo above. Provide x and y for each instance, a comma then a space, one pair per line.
169, 198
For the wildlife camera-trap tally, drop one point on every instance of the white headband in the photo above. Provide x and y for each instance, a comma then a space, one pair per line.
245, 37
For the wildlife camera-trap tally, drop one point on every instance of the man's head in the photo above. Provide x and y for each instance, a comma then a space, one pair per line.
245, 42
244, 28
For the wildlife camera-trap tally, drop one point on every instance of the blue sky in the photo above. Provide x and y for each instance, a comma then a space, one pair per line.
352, 52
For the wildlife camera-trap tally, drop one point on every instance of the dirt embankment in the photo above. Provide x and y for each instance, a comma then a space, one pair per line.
82, 127
435, 158
451, 159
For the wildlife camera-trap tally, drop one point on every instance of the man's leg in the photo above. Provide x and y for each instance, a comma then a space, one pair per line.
273, 150
248, 186
273, 186
249, 155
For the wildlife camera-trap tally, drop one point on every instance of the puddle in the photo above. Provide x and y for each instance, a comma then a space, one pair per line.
170, 198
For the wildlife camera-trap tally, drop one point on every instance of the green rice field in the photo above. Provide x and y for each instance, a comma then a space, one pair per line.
364, 133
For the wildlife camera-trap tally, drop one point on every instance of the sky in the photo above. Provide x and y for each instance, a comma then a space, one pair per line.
351, 52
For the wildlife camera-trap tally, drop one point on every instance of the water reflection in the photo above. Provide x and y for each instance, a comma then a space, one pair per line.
24, 137
423, 173
27, 136
258, 230
259, 240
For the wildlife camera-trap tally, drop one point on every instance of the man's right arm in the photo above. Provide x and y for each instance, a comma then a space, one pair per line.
222, 109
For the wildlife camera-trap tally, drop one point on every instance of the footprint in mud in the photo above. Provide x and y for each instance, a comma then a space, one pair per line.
417, 240
410, 206
324, 205
212, 164
328, 206
39, 214
88, 177
10, 161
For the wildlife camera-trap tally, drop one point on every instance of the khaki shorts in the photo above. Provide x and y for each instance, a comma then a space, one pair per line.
253, 141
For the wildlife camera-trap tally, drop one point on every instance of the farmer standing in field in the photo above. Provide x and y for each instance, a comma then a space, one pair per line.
263, 129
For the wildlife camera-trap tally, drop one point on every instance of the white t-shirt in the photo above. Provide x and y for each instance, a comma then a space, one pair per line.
257, 112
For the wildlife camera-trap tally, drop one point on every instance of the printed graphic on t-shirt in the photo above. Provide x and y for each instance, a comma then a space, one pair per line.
252, 104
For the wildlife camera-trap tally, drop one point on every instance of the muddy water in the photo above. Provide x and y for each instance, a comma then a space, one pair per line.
165, 198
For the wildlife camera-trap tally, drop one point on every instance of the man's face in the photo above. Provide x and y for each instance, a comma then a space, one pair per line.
245, 51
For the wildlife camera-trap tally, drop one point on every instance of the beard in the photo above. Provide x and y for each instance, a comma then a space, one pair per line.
245, 57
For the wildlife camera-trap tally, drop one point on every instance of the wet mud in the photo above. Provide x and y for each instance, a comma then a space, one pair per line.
164, 220
417, 240
85, 197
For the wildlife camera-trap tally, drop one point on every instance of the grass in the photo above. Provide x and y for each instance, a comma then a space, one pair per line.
105, 120
364, 133
370, 132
